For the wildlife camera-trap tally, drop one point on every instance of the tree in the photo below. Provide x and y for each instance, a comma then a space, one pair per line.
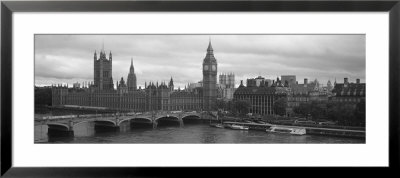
242, 107
42, 99
304, 109
280, 106
360, 113
220, 104
343, 113
315, 109
230, 106
318, 110
43, 96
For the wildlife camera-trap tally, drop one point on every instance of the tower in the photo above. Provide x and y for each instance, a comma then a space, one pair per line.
171, 85
231, 80
103, 71
209, 79
222, 79
122, 88
131, 78
329, 86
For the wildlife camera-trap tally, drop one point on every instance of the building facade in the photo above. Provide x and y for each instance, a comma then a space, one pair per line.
261, 98
226, 86
304, 93
127, 97
289, 79
346, 92
227, 79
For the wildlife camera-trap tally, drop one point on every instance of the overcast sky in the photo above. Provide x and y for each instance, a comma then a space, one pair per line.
69, 58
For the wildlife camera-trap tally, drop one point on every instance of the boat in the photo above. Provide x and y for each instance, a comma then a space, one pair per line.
227, 126
289, 130
239, 127
217, 125
260, 122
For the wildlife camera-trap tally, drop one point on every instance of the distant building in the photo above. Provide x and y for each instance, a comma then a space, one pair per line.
348, 92
290, 79
227, 79
329, 86
122, 87
226, 86
251, 82
192, 86
262, 97
76, 85
256, 82
131, 78
304, 93
171, 85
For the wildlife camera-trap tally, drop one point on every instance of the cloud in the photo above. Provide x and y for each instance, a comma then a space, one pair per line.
158, 57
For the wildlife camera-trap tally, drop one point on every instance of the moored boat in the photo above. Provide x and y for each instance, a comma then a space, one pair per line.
289, 130
217, 125
239, 127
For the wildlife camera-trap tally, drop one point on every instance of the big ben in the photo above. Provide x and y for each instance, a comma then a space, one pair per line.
209, 79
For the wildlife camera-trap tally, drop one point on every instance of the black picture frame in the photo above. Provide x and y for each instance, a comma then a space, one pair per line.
8, 7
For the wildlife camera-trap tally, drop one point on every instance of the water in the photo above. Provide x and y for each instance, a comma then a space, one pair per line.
189, 133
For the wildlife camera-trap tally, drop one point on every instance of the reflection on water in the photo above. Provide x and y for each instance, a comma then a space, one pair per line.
173, 133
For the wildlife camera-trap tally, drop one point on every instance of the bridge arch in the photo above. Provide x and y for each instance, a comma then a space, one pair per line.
124, 120
80, 122
146, 119
168, 120
191, 115
58, 126
167, 116
191, 119
106, 122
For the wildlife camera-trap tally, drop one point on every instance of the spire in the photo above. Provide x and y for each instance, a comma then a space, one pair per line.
171, 84
102, 49
131, 69
209, 49
210, 54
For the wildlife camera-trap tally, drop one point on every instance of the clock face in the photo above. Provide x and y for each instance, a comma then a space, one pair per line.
214, 67
205, 67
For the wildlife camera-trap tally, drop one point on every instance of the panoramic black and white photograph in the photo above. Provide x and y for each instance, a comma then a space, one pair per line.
200, 88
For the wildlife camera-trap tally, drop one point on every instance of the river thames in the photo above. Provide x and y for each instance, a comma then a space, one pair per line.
189, 133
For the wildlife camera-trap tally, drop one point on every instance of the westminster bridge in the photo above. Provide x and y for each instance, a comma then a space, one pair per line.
64, 125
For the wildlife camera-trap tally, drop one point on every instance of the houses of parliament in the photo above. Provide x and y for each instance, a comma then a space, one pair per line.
128, 97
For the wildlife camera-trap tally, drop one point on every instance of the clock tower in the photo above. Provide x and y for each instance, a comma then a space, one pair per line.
209, 79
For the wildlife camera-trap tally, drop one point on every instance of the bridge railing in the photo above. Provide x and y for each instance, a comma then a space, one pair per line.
112, 115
